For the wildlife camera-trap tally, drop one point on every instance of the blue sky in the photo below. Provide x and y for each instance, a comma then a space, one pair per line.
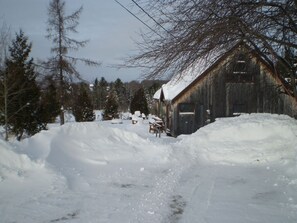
110, 29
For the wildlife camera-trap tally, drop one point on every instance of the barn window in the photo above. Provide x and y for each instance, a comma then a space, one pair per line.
239, 71
240, 67
186, 108
239, 108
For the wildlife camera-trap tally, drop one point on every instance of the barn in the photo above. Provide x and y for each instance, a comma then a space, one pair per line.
239, 81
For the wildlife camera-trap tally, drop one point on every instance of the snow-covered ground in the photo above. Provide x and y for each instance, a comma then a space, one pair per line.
241, 169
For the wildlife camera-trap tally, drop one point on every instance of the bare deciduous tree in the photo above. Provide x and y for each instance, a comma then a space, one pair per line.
4, 42
62, 64
192, 29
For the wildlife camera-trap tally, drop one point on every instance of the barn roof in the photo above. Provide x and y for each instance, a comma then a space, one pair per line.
182, 81
157, 94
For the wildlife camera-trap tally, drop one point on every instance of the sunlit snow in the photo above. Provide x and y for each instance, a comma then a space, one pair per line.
239, 170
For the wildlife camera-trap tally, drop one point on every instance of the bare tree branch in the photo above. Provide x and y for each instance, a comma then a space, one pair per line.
196, 28
61, 64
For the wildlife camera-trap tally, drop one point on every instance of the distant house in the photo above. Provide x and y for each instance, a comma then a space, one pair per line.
239, 81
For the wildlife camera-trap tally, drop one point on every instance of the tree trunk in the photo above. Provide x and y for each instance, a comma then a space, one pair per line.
6, 107
62, 118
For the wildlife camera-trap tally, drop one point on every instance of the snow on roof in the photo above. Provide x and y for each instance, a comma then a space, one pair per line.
180, 81
157, 94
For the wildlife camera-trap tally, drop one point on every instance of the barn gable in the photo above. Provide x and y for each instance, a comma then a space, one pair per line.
238, 82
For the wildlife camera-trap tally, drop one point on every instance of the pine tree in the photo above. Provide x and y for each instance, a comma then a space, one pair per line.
122, 95
95, 94
103, 91
83, 107
111, 105
20, 101
151, 90
139, 102
49, 101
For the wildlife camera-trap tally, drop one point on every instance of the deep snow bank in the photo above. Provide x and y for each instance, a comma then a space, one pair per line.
93, 143
247, 139
79, 151
103, 172
13, 164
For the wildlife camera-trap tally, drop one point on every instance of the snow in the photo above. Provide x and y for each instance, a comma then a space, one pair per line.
266, 138
116, 121
182, 80
241, 169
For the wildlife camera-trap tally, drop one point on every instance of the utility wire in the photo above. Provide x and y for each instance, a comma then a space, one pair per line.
152, 18
138, 18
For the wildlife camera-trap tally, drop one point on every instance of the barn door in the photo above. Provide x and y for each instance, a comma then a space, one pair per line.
186, 123
186, 119
200, 116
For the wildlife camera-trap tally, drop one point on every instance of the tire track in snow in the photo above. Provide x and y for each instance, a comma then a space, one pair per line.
197, 191
154, 205
210, 193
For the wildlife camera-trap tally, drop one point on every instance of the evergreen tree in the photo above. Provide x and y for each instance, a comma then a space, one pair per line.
151, 90
83, 108
111, 105
96, 94
122, 94
20, 93
103, 91
139, 102
49, 101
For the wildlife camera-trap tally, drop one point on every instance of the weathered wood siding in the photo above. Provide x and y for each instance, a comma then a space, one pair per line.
209, 94
220, 94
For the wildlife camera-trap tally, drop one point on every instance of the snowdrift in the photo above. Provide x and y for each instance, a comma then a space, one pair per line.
247, 139
12, 164
103, 172
78, 150
91, 142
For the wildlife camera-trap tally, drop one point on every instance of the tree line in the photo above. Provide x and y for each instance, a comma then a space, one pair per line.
187, 30
33, 94
30, 99
111, 98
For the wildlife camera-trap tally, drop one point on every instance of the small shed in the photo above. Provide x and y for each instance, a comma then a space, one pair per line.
239, 81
